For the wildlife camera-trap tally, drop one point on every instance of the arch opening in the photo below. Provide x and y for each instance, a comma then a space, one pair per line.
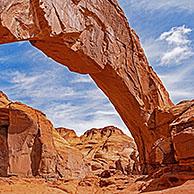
69, 99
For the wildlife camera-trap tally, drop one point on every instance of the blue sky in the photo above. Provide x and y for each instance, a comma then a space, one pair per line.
165, 28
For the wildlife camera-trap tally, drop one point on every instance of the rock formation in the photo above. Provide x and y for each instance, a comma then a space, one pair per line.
94, 38
176, 128
30, 146
101, 160
107, 150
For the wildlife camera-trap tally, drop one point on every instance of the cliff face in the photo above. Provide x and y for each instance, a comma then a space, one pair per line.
30, 146
108, 150
101, 160
94, 38
175, 129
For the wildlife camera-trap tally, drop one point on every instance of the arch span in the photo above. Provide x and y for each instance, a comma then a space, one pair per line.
93, 37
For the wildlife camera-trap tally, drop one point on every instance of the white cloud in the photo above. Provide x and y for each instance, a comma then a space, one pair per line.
181, 94
85, 116
3, 59
170, 48
176, 55
37, 85
177, 36
179, 82
22, 79
178, 45
82, 79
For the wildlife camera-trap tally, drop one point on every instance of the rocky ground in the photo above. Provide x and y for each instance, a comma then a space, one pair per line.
88, 185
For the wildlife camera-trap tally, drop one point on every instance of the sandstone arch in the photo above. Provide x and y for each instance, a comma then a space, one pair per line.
93, 37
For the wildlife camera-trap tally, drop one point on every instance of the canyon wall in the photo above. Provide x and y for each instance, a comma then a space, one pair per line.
30, 146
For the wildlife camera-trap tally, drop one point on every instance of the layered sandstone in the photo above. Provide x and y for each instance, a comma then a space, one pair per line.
101, 160
89, 185
108, 151
93, 37
175, 127
30, 146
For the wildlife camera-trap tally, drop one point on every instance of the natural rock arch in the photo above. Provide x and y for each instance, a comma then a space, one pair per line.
93, 37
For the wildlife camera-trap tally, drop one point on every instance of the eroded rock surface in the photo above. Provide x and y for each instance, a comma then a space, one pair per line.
108, 150
175, 127
101, 160
30, 146
93, 37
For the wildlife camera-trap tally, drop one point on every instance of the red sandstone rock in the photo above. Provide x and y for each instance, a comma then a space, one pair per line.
107, 150
93, 38
30, 146
175, 127
183, 134
85, 186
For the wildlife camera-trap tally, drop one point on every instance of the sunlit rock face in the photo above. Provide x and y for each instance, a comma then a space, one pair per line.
93, 37
175, 146
30, 146
101, 160
107, 150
